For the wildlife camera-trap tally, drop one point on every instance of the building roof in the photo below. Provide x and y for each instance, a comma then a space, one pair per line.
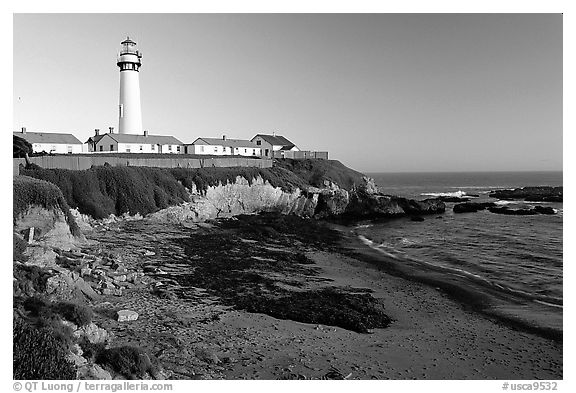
95, 138
49, 137
225, 142
145, 140
276, 140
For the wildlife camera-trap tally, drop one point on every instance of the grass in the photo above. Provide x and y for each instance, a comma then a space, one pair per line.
104, 190
314, 172
28, 192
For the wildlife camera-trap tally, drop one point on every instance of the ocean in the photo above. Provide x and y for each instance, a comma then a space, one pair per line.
517, 258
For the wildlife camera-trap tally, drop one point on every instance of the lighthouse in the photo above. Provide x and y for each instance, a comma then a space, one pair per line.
129, 111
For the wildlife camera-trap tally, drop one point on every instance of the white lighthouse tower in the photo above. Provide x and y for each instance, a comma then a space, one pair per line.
130, 113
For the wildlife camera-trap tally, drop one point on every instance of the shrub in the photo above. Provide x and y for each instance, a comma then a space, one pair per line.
29, 279
76, 313
38, 354
132, 362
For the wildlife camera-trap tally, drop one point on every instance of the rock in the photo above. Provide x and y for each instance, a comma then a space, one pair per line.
112, 292
85, 271
149, 253
512, 212
545, 210
417, 218
532, 194
77, 360
206, 355
63, 286
472, 207
108, 285
93, 372
127, 315
120, 278
119, 268
40, 255
93, 334
426, 206
452, 199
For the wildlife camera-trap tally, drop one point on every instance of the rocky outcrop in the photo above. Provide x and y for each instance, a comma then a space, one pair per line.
47, 228
240, 197
522, 212
472, 207
531, 194
331, 201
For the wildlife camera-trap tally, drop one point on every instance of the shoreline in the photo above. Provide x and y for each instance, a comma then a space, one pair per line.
431, 335
481, 299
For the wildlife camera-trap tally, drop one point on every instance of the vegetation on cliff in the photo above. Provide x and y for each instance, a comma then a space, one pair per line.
104, 190
314, 172
28, 192
38, 354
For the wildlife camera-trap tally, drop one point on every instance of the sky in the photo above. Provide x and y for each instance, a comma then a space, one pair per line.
380, 92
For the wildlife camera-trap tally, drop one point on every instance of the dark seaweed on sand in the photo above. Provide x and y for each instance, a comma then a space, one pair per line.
237, 263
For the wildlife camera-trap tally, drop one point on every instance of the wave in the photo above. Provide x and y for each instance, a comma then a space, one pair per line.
480, 187
458, 194
509, 202
545, 300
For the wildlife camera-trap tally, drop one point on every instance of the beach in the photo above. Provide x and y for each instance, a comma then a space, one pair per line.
195, 334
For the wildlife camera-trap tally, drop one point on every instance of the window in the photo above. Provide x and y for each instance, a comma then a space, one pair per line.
111, 147
140, 147
258, 142
127, 150
202, 149
101, 148
178, 149
169, 147
153, 147
245, 150
215, 149
69, 149
253, 152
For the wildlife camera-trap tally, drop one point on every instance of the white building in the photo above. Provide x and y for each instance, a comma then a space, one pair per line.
128, 143
223, 147
271, 143
51, 142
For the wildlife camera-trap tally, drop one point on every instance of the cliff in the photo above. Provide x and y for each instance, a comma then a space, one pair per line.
42, 216
308, 188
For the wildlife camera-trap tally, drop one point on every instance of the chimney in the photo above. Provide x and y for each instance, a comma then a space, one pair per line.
223, 137
111, 130
96, 131
145, 132
23, 130
274, 133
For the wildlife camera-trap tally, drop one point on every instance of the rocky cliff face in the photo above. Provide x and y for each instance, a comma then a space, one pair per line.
226, 200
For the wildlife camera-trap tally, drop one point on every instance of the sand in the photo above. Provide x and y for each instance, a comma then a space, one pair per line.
432, 336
